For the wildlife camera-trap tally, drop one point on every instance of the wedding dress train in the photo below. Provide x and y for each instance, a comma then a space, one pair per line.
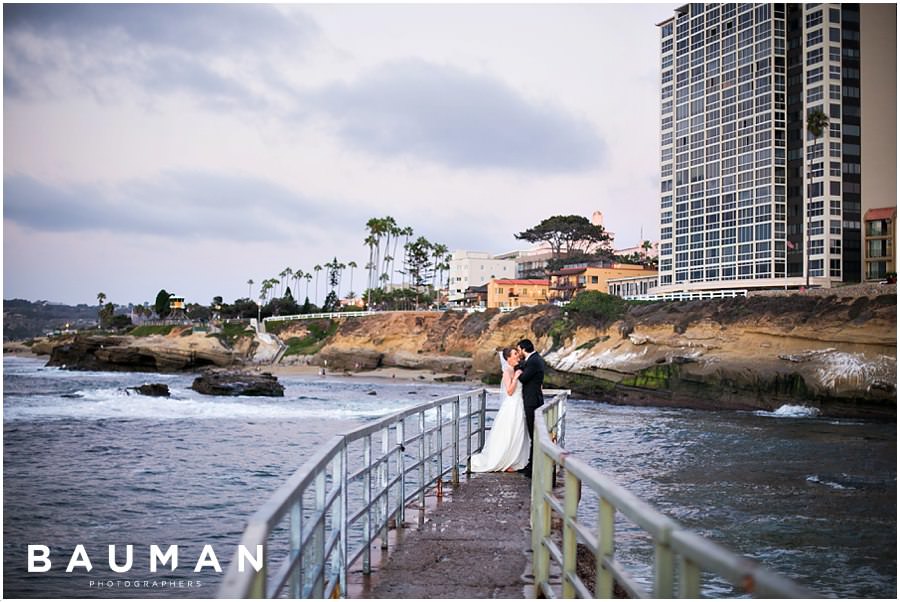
507, 443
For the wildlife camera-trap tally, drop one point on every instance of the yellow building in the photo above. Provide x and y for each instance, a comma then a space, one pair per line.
567, 282
880, 242
510, 293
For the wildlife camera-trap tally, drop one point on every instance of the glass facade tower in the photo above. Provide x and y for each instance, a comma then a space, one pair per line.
749, 198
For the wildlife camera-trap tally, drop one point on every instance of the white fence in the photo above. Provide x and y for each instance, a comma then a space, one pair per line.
690, 296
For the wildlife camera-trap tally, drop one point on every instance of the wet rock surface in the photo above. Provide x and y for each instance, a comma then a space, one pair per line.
151, 390
261, 384
131, 354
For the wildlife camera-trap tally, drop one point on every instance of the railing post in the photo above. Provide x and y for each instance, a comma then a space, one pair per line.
468, 435
421, 462
482, 418
542, 474
318, 589
606, 538
570, 541
401, 468
440, 446
344, 526
663, 582
385, 477
689, 579
455, 473
296, 535
367, 498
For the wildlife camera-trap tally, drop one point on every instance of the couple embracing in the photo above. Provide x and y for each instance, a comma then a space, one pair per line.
508, 445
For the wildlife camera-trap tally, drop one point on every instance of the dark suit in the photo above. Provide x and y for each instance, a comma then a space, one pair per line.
532, 379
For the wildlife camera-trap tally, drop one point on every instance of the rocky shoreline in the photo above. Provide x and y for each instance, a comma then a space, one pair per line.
835, 353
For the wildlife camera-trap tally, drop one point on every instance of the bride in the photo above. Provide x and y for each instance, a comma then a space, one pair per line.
508, 442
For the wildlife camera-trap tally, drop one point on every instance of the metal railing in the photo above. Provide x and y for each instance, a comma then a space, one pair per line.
689, 296
680, 556
349, 493
346, 314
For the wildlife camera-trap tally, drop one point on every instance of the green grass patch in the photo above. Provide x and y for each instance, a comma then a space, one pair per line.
319, 332
150, 329
233, 332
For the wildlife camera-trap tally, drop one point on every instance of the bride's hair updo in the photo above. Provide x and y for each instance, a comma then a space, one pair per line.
507, 351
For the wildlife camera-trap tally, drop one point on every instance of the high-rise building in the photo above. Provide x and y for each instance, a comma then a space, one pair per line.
749, 196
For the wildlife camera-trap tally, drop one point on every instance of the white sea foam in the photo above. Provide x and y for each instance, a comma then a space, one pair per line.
817, 479
791, 411
94, 404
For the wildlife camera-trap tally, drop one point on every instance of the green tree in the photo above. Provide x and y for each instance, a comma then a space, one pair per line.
106, 315
571, 237
161, 305
418, 255
332, 303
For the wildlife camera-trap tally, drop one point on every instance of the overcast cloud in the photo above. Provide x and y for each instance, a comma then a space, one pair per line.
266, 136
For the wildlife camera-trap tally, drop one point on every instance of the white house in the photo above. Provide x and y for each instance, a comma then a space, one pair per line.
475, 268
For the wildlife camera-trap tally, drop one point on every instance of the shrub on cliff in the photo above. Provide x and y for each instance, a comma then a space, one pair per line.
594, 307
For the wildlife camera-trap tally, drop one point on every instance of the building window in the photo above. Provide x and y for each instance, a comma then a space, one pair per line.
814, 18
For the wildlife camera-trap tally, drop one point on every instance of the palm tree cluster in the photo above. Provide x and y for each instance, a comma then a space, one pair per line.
422, 260
423, 265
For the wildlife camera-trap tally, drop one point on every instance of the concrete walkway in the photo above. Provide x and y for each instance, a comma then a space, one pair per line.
474, 544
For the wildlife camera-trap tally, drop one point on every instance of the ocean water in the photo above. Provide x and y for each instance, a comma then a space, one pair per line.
85, 463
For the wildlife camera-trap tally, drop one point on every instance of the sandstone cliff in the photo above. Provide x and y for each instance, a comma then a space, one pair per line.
744, 353
169, 353
834, 353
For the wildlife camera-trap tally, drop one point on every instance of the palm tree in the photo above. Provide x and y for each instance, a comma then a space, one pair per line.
376, 230
308, 277
370, 265
406, 232
352, 266
250, 289
298, 276
816, 122
317, 268
439, 252
101, 297
284, 275
396, 231
389, 228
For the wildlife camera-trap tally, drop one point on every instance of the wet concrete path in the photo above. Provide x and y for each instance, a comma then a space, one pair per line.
474, 544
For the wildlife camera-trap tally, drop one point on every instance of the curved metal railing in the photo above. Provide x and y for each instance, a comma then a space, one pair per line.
347, 495
680, 556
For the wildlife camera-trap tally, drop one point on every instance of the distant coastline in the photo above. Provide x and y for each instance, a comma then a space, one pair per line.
835, 354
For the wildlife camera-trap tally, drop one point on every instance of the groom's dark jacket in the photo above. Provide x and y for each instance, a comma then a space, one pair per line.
532, 379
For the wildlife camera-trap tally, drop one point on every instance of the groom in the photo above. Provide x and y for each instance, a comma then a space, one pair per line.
532, 379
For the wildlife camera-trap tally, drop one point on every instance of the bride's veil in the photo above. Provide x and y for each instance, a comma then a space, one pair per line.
503, 363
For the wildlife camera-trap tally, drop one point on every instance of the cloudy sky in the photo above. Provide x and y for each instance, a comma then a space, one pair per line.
193, 147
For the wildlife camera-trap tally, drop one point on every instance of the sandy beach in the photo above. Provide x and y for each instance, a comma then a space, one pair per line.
397, 374
302, 370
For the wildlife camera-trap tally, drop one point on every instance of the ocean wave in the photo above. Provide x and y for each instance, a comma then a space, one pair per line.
821, 481
791, 411
101, 404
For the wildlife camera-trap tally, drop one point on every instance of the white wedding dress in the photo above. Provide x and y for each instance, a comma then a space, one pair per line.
507, 444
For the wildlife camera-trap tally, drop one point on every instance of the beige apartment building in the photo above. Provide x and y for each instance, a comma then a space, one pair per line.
512, 293
568, 282
880, 243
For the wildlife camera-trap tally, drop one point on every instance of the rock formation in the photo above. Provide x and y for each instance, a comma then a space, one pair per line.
151, 389
262, 384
